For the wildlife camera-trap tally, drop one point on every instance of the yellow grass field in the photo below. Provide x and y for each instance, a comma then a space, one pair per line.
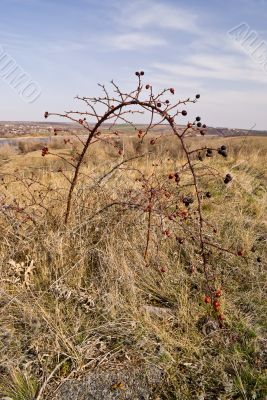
80, 298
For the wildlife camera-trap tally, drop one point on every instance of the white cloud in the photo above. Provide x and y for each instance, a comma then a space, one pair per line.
153, 14
135, 40
212, 66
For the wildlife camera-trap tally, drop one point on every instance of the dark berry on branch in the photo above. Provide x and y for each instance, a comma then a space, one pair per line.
259, 259
172, 90
208, 195
199, 124
209, 153
204, 126
137, 73
46, 114
224, 153
147, 86
187, 201
227, 178
158, 105
167, 102
197, 96
202, 133
184, 113
223, 147
198, 118
142, 73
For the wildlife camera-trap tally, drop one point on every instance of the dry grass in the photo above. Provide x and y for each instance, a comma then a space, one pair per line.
81, 298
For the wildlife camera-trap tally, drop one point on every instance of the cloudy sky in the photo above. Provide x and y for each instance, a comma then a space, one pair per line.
68, 46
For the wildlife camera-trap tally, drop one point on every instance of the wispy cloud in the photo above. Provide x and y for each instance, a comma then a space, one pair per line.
132, 41
212, 66
142, 14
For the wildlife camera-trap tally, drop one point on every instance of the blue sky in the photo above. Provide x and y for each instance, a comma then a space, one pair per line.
69, 46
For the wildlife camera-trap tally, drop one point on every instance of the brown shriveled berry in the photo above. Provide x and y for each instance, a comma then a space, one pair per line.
152, 141
172, 90
44, 151
46, 114
171, 176
179, 240
163, 269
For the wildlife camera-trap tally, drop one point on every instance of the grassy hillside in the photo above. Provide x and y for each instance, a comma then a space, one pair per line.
81, 297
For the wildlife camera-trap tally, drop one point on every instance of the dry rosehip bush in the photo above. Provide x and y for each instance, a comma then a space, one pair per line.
171, 204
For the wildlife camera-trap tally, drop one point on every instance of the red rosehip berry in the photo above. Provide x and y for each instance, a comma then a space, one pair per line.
216, 305
163, 269
221, 317
218, 293
207, 299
